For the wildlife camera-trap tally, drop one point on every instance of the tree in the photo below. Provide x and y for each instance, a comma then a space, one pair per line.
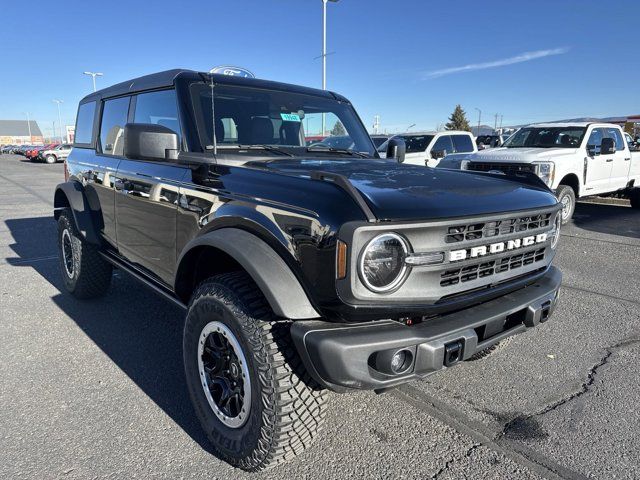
338, 129
458, 120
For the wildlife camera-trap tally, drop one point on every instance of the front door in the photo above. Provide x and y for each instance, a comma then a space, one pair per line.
598, 167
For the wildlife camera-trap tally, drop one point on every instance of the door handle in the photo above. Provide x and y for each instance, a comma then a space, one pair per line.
609, 160
627, 159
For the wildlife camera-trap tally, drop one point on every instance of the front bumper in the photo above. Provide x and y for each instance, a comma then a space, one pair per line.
351, 356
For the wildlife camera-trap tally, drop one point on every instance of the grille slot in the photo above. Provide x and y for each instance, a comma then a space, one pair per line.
496, 228
468, 273
507, 168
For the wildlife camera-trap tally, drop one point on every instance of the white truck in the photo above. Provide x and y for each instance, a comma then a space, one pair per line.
428, 148
574, 159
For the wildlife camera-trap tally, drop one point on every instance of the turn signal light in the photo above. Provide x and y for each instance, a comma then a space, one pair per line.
341, 260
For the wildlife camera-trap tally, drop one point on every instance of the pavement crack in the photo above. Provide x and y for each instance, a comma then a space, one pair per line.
454, 459
525, 426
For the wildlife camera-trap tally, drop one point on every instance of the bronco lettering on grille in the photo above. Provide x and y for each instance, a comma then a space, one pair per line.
474, 252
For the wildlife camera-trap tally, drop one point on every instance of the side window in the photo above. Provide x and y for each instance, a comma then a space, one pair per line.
114, 118
617, 136
462, 143
84, 123
595, 139
159, 108
443, 144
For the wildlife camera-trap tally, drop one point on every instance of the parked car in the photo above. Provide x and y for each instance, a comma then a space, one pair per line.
55, 154
302, 269
428, 148
634, 145
573, 159
488, 141
379, 139
32, 153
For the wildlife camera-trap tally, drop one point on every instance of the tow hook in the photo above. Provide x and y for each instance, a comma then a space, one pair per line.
452, 353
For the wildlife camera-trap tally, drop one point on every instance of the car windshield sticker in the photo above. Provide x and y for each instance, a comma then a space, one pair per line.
290, 117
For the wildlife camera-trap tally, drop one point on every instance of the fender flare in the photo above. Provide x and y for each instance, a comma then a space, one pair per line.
273, 276
79, 204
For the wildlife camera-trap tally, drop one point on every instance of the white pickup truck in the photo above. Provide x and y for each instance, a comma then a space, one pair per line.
573, 159
427, 148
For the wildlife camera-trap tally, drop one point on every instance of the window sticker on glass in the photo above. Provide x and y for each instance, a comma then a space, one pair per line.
290, 117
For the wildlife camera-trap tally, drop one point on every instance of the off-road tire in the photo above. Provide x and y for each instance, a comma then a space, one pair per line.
487, 352
566, 192
287, 407
634, 198
50, 159
90, 274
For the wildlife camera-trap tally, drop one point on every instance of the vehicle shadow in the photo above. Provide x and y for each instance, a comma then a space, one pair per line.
139, 331
612, 219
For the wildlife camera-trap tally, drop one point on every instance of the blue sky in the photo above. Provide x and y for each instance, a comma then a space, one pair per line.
410, 61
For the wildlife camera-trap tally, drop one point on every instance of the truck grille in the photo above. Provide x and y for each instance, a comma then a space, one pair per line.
507, 168
485, 269
491, 229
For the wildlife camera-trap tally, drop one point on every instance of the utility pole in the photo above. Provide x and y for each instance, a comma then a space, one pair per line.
500, 122
324, 54
495, 123
479, 119
29, 125
58, 102
376, 123
93, 77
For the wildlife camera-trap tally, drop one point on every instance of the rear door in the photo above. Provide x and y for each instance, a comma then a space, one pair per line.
147, 194
621, 160
598, 167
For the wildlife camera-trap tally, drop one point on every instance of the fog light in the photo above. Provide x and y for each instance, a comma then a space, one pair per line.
401, 361
392, 362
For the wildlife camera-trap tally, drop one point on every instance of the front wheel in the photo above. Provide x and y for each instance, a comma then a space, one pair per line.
51, 159
567, 198
256, 402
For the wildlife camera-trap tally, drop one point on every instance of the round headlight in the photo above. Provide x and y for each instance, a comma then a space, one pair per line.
555, 233
382, 266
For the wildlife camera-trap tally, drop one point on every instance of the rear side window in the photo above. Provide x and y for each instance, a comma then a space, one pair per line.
443, 144
159, 108
114, 118
84, 123
462, 143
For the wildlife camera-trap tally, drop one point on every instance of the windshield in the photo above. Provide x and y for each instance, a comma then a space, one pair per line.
550, 137
291, 122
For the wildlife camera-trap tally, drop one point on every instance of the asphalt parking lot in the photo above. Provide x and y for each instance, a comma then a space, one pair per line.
95, 389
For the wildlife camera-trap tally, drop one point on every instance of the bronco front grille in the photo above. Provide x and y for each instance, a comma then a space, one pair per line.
475, 231
480, 270
507, 168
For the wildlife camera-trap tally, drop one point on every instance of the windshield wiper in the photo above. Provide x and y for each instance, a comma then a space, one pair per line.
337, 150
269, 148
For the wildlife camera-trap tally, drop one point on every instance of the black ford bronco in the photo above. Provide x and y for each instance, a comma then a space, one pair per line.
304, 265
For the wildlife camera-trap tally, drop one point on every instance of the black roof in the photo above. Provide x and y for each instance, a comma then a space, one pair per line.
168, 78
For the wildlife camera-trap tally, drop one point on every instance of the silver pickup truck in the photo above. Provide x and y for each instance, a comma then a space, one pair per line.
56, 154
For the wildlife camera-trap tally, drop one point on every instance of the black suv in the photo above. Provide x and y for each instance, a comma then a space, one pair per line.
302, 268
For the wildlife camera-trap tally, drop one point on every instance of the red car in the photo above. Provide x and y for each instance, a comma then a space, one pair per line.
33, 153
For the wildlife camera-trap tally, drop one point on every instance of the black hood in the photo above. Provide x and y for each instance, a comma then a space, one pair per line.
408, 192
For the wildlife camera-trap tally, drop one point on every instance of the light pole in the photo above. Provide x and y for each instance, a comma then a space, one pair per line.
93, 77
29, 125
58, 102
324, 53
410, 127
479, 117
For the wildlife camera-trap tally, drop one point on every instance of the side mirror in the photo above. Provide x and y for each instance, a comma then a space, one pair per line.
396, 148
608, 146
149, 141
437, 154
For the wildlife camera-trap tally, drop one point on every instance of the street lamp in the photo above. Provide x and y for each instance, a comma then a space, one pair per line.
324, 53
93, 77
410, 127
479, 117
29, 125
58, 102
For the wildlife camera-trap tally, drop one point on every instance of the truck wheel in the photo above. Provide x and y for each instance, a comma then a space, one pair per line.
84, 272
51, 159
567, 197
254, 399
634, 198
491, 350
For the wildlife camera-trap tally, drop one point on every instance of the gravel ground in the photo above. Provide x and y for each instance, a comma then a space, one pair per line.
96, 389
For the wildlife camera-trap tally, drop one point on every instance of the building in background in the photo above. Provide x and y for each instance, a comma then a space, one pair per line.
19, 132
71, 133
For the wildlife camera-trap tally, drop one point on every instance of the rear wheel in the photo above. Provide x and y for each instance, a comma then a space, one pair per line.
84, 272
634, 197
256, 402
567, 198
